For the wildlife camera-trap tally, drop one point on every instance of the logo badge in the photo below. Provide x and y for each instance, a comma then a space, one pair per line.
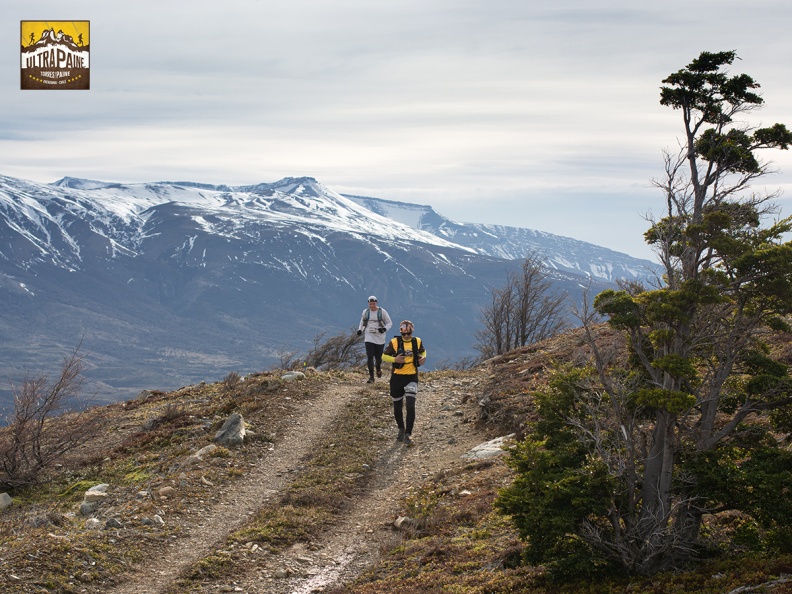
56, 55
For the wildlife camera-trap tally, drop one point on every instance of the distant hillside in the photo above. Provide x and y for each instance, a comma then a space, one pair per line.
166, 284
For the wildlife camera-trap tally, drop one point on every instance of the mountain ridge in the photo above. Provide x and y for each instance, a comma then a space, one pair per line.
170, 283
507, 242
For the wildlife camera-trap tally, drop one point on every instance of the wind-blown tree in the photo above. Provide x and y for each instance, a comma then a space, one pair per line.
339, 351
662, 441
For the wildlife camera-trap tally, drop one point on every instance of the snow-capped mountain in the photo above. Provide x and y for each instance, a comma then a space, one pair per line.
557, 252
172, 283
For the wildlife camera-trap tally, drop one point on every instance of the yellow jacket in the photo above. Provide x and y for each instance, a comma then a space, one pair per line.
409, 366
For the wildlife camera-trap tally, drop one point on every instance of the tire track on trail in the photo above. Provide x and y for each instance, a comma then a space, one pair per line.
234, 506
357, 540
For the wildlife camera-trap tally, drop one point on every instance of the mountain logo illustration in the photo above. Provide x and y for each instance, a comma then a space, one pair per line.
55, 55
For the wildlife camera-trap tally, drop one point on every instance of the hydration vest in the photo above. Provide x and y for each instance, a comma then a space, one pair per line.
379, 317
417, 348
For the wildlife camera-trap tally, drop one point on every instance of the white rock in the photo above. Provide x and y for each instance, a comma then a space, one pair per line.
401, 521
59, 537
205, 450
96, 493
489, 449
166, 491
94, 496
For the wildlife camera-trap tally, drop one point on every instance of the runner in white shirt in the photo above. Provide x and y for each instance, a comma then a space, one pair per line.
374, 322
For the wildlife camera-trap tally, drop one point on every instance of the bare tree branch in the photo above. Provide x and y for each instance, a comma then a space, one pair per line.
44, 427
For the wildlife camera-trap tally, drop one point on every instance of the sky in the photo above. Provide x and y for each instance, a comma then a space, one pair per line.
509, 112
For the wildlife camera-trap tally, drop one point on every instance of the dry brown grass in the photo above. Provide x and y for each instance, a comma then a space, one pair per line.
459, 546
44, 545
454, 544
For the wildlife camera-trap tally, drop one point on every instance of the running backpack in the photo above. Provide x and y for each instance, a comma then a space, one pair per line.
379, 317
400, 349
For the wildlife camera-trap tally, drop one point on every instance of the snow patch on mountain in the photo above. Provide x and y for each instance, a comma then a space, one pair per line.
147, 270
121, 216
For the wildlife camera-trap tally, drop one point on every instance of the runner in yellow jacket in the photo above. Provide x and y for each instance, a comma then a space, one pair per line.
407, 353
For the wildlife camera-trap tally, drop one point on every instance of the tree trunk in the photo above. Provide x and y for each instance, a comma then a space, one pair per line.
656, 504
686, 529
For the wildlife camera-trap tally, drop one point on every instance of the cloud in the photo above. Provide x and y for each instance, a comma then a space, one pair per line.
502, 110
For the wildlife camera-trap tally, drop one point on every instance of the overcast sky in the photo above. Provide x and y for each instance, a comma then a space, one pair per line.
514, 112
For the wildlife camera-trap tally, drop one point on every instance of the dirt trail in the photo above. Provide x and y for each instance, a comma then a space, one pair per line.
441, 438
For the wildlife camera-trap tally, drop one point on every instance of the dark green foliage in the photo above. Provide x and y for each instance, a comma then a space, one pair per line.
702, 87
731, 150
673, 401
755, 479
555, 493
620, 306
558, 488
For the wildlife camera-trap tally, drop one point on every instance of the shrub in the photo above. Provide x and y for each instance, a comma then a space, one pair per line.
39, 434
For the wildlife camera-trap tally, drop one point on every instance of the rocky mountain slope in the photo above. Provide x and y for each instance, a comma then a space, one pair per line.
167, 284
558, 253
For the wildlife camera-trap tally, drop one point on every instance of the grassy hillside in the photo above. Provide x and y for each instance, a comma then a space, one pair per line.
441, 533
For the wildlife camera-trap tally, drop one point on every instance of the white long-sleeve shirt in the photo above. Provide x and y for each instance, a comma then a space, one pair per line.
372, 333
